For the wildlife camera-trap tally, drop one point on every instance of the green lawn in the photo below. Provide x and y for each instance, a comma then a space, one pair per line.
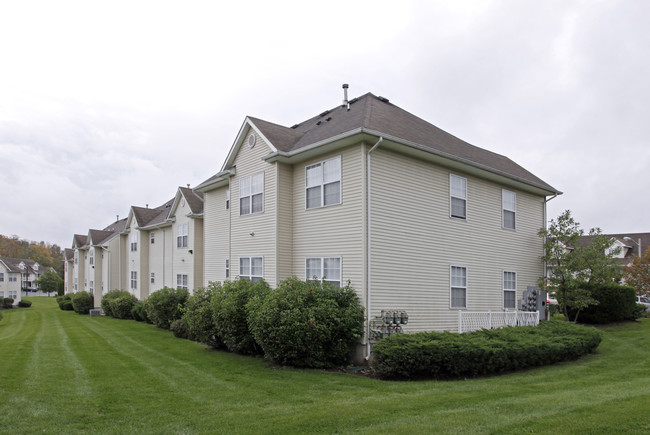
62, 372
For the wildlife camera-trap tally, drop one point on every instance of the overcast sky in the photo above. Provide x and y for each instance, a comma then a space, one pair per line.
104, 105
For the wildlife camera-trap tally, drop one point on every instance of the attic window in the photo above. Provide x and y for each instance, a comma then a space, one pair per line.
251, 140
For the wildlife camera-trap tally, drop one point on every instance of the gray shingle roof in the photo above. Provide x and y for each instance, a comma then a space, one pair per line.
376, 114
80, 240
96, 237
194, 199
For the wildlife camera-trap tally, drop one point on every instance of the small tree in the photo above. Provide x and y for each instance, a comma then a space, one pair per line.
637, 274
573, 266
50, 282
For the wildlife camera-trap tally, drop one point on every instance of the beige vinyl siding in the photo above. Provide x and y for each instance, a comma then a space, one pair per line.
183, 261
285, 221
263, 225
116, 264
197, 261
336, 230
216, 234
415, 241
156, 259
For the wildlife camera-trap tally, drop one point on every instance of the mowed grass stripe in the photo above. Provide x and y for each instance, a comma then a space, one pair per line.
140, 379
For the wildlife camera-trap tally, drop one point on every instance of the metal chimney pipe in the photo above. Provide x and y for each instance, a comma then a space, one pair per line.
345, 94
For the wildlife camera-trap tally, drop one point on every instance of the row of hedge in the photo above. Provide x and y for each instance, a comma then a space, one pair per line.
616, 303
301, 323
80, 302
449, 355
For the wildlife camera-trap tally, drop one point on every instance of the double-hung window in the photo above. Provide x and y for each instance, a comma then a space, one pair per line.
182, 230
458, 293
13, 277
325, 269
251, 194
76, 257
153, 277
134, 280
152, 237
227, 268
92, 286
323, 183
181, 281
509, 205
13, 294
458, 196
228, 199
76, 284
134, 241
91, 258
509, 289
251, 268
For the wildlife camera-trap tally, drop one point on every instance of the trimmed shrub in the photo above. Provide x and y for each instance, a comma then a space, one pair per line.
65, 302
178, 328
616, 303
121, 306
451, 355
307, 324
82, 302
197, 316
229, 313
164, 306
7, 303
24, 303
138, 312
108, 297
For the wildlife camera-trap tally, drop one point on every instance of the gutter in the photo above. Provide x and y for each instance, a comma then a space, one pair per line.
369, 244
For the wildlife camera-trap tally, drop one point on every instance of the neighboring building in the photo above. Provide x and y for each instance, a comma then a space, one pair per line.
629, 245
10, 278
367, 193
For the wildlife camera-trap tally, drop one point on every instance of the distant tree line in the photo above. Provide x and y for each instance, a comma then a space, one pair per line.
45, 254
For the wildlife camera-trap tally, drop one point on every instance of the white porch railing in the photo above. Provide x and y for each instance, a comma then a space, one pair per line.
473, 321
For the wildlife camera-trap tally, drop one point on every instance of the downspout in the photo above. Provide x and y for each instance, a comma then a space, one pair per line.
545, 266
368, 244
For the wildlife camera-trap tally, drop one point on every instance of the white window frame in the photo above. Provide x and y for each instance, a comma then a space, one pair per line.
134, 280
246, 271
249, 188
227, 268
509, 288
228, 199
152, 237
13, 294
321, 181
92, 286
153, 277
134, 241
76, 257
455, 285
13, 277
91, 258
182, 235
181, 281
510, 208
321, 275
458, 192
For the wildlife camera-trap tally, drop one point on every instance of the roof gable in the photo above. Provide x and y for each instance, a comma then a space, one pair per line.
193, 199
244, 133
376, 116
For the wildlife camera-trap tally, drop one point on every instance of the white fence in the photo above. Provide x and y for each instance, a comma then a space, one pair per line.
473, 321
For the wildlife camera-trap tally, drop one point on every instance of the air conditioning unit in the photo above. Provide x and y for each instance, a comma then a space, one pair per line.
95, 312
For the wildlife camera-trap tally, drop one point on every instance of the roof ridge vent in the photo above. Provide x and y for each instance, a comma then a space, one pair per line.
324, 113
295, 125
383, 99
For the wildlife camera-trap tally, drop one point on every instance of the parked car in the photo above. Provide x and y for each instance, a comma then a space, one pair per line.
644, 300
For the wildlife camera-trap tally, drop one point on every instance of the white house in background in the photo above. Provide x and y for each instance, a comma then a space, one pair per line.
10, 278
367, 193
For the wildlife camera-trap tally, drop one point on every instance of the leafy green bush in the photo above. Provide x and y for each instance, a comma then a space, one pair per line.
7, 303
164, 306
178, 328
65, 302
306, 324
139, 313
451, 355
229, 313
24, 303
108, 297
197, 316
121, 306
616, 303
82, 302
